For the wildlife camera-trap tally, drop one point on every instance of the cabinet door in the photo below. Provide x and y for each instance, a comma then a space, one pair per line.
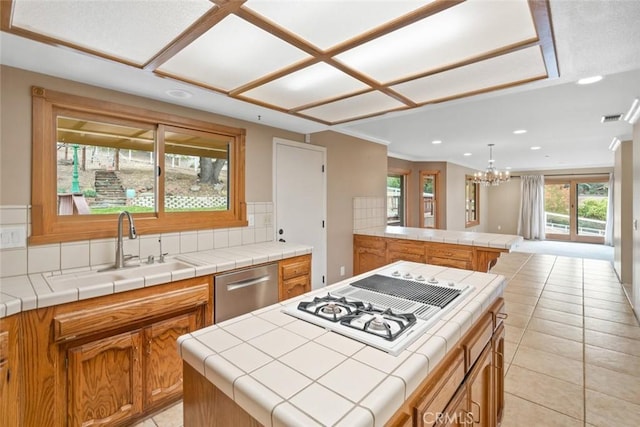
294, 287
368, 253
9, 375
105, 380
163, 364
497, 344
479, 387
457, 413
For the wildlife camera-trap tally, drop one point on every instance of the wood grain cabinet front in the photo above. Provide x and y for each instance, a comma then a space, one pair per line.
405, 250
110, 360
467, 386
369, 252
10, 371
294, 277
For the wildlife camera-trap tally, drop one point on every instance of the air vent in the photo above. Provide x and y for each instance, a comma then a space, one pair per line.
611, 118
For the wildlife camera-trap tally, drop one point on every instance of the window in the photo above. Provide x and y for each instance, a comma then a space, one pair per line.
94, 159
429, 199
471, 202
396, 197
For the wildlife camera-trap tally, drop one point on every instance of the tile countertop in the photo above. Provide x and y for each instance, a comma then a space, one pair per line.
284, 371
471, 238
28, 292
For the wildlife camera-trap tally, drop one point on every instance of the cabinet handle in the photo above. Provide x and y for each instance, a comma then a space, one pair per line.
479, 412
502, 315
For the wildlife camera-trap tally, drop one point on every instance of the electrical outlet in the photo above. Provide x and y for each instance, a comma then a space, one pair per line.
342, 270
251, 219
14, 236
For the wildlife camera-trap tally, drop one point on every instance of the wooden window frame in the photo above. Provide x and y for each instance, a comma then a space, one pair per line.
49, 227
436, 187
469, 181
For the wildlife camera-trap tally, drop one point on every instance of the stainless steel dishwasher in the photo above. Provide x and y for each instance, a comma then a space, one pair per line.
243, 291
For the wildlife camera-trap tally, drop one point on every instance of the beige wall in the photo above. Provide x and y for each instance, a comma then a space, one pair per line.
355, 168
623, 212
15, 143
636, 219
451, 194
414, 188
455, 209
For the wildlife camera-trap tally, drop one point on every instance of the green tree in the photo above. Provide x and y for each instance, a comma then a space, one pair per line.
393, 181
556, 198
593, 209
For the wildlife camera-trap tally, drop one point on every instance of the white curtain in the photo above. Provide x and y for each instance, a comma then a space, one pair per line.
531, 220
608, 228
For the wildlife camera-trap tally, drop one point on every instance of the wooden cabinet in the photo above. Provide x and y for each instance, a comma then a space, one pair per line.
163, 381
294, 277
455, 256
369, 252
479, 386
10, 392
405, 250
105, 381
110, 360
467, 387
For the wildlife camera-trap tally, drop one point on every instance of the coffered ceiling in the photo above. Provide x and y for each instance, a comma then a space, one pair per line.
399, 72
328, 61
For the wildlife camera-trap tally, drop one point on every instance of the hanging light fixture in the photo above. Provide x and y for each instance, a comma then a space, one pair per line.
490, 176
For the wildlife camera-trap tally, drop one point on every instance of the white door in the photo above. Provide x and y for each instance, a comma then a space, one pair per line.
300, 200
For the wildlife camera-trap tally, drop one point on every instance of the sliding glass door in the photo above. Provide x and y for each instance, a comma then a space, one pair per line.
576, 209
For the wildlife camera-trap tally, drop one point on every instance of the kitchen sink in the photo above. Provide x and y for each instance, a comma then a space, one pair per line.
89, 278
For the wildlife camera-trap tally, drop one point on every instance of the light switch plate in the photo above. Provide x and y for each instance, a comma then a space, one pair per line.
13, 236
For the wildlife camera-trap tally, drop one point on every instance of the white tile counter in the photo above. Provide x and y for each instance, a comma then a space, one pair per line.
470, 238
27, 292
285, 371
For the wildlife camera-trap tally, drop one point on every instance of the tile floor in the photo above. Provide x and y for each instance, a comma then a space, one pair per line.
572, 346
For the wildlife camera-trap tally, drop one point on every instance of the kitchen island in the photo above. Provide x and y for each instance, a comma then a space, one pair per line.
270, 368
376, 246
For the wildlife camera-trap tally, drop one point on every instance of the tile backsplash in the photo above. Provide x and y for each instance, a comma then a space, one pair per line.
91, 253
368, 212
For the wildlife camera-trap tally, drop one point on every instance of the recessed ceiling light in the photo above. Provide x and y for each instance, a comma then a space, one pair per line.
179, 93
589, 80
520, 131
467, 154
536, 147
508, 168
437, 141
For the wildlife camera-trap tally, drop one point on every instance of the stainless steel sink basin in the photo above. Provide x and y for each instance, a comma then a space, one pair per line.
90, 278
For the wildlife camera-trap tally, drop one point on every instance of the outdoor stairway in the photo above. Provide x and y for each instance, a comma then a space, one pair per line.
109, 189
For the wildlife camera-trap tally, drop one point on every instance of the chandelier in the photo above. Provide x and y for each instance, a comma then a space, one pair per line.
490, 176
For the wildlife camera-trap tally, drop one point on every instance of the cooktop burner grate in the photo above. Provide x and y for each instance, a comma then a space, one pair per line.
425, 293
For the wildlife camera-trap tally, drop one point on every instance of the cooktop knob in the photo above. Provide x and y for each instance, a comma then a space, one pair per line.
433, 280
408, 276
451, 284
420, 278
396, 273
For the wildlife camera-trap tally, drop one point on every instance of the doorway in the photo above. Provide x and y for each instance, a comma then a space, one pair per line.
429, 199
397, 197
300, 200
576, 209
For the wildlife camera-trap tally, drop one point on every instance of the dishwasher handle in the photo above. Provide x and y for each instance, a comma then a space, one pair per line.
246, 283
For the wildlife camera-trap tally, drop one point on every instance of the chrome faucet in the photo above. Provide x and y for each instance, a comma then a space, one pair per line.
120, 257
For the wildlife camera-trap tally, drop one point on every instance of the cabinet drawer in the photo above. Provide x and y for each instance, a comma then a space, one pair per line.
477, 341
295, 269
405, 247
450, 262
451, 252
436, 398
370, 242
89, 321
